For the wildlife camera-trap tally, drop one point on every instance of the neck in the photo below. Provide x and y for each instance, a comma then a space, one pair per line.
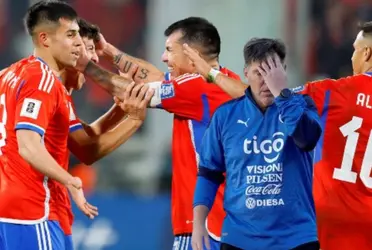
48, 59
368, 68
260, 104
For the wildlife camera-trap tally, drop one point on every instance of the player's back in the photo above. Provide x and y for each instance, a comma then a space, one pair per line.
343, 159
31, 98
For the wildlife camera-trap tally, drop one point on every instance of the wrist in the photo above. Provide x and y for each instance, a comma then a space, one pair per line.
284, 93
212, 75
110, 51
137, 122
69, 182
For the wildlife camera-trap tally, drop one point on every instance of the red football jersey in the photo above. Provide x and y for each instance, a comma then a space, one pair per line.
65, 215
31, 98
343, 162
193, 102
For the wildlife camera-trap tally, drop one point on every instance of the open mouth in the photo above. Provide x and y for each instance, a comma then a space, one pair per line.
77, 54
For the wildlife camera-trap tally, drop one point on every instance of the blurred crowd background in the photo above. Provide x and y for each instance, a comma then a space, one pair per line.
132, 185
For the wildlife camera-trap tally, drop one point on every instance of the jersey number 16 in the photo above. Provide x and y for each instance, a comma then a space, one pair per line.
345, 173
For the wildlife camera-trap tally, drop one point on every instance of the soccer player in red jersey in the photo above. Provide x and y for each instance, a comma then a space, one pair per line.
192, 100
343, 158
90, 142
34, 117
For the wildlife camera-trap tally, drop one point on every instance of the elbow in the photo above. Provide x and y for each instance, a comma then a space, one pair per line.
87, 160
308, 140
216, 177
27, 150
87, 157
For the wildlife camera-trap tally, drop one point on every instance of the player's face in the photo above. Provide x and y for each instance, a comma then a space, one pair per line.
76, 77
260, 91
66, 43
178, 63
362, 54
91, 49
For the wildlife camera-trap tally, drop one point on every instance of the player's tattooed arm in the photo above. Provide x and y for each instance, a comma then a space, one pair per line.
146, 72
112, 83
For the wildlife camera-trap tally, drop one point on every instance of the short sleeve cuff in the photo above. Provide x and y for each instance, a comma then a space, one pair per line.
75, 127
30, 126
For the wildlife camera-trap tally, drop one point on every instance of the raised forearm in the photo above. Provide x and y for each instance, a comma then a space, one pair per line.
112, 83
101, 145
301, 119
106, 122
146, 71
232, 87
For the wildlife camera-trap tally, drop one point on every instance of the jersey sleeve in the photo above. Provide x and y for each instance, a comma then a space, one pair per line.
36, 102
183, 96
318, 91
212, 165
75, 123
212, 154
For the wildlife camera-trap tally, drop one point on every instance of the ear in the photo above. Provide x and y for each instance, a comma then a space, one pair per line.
367, 54
246, 72
44, 39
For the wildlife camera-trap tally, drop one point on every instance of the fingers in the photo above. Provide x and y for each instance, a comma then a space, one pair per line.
277, 60
262, 72
143, 92
117, 101
93, 211
147, 99
197, 245
270, 62
207, 243
132, 71
191, 53
136, 90
128, 91
88, 211
265, 67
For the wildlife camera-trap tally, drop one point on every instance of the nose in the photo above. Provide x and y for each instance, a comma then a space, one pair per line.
95, 58
164, 57
78, 41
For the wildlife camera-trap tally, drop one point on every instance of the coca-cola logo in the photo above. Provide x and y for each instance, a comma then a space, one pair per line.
270, 189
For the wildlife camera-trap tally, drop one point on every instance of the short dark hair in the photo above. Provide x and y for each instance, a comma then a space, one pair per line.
199, 31
257, 49
366, 28
88, 30
47, 12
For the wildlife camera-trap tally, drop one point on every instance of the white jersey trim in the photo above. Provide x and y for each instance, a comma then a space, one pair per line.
191, 128
46, 209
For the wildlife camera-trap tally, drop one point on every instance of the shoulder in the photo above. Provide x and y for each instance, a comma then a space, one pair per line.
230, 73
38, 75
188, 78
230, 105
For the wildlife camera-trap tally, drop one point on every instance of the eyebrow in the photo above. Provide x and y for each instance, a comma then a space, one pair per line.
72, 31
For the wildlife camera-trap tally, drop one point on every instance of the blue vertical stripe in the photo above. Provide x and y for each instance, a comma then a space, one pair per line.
19, 88
323, 120
199, 127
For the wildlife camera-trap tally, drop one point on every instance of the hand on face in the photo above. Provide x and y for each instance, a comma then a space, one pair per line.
274, 74
101, 45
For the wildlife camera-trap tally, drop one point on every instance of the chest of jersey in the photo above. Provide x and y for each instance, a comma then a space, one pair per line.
56, 135
253, 137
